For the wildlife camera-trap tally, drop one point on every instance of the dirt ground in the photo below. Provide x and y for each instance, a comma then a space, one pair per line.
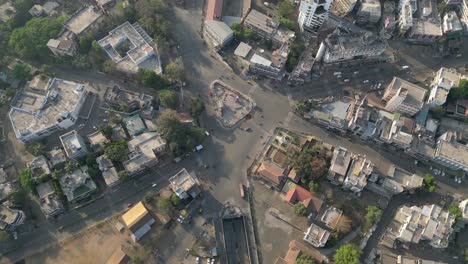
93, 246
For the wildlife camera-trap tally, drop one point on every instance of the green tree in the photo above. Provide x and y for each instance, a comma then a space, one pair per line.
196, 107
4, 236
429, 183
168, 122
22, 72
26, 180
109, 67
106, 130
175, 70
148, 198
175, 200
461, 92
302, 162
305, 259
18, 196
151, 79
85, 44
296, 50
31, 40
438, 112
373, 214
9, 92
285, 8
169, 99
117, 151
347, 254
288, 23
95, 46
136, 259
300, 209
164, 205
123, 175
456, 211
35, 148
313, 186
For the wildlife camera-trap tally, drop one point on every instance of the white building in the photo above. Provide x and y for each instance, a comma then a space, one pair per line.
10, 219
143, 152
464, 14
403, 97
41, 110
312, 14
444, 80
77, 185
451, 23
74, 145
452, 155
358, 172
316, 236
343, 7
185, 184
131, 48
218, 33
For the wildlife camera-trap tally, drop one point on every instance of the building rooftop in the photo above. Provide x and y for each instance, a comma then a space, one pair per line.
184, 184
345, 40
447, 78
134, 215
147, 143
331, 216
340, 161
77, 184
271, 172
298, 194
464, 208
56, 157
110, 176
134, 125
316, 236
220, 28
415, 94
39, 165
261, 21
104, 163
451, 23
97, 139
49, 201
10, 216
214, 9
82, 19
243, 50
359, 170
296, 249
135, 46
399, 180
453, 151
7, 11
257, 59
72, 143
34, 111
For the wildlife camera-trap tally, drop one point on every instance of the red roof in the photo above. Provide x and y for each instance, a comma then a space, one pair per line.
214, 9
299, 194
271, 172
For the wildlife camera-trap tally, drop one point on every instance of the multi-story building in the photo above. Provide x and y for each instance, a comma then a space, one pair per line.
343, 7
444, 80
43, 109
312, 14
262, 66
131, 48
423, 26
218, 33
358, 172
316, 236
451, 154
77, 185
339, 165
451, 25
345, 45
403, 97
464, 14
369, 12
144, 150
185, 184
414, 224
50, 203
74, 145
266, 28
10, 219
388, 22
80, 23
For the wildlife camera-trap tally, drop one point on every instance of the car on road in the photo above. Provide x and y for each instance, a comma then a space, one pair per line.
366, 81
346, 80
197, 260
405, 67
207, 133
198, 148
154, 185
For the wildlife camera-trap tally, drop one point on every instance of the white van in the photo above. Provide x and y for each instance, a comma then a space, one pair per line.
198, 148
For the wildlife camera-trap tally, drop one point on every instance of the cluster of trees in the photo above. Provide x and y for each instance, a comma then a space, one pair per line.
305, 259
169, 99
117, 151
373, 214
300, 209
241, 33
305, 106
347, 254
285, 10
311, 163
296, 50
456, 211
461, 92
429, 183
30, 40
180, 138
35, 148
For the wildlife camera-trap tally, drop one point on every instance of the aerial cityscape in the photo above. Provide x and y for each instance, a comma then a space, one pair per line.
234, 131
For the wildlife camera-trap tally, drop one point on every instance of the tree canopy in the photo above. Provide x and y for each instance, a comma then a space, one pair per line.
31, 40
117, 151
305, 259
240, 32
22, 72
150, 79
347, 254
285, 8
169, 99
175, 70
456, 211
196, 107
461, 92
300, 209
373, 214
429, 183
26, 180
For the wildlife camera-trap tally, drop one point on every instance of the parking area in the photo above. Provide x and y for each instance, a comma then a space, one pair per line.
276, 222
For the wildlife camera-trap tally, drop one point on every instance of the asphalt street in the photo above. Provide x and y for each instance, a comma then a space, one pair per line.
228, 152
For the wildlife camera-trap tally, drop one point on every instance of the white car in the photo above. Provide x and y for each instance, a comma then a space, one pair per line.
197, 260
346, 80
154, 185
207, 133
365, 81
405, 67
378, 86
